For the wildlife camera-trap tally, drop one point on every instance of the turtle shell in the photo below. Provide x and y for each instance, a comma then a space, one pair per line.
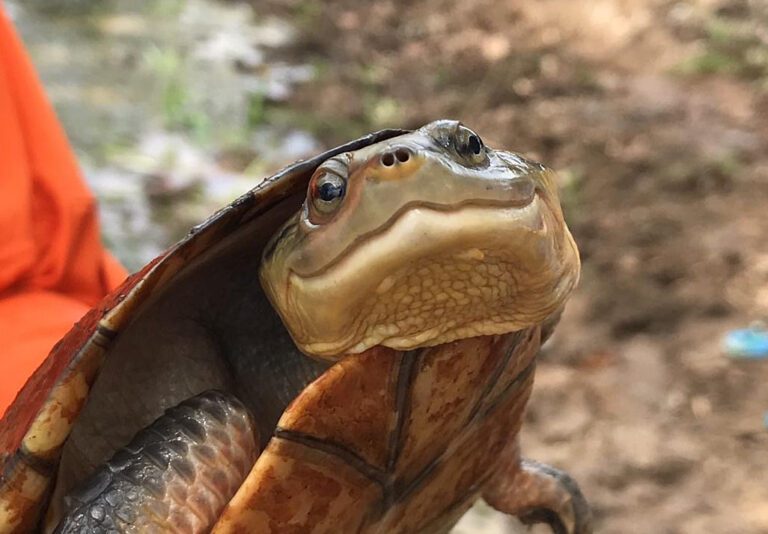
391, 442
201, 297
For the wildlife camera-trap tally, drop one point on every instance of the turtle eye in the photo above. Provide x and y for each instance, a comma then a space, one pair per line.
469, 145
328, 192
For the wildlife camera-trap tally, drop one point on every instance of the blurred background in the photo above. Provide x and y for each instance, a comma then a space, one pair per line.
654, 112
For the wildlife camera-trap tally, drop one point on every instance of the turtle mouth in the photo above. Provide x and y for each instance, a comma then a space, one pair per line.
433, 275
527, 203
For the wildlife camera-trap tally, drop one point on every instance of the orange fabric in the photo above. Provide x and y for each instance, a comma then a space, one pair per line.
53, 267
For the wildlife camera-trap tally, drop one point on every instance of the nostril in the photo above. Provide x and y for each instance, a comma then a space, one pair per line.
399, 155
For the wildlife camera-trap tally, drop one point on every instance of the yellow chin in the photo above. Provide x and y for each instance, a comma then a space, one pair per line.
434, 277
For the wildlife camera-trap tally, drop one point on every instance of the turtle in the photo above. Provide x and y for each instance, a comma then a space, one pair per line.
347, 347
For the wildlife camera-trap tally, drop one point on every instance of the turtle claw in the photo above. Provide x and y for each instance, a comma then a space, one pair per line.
538, 493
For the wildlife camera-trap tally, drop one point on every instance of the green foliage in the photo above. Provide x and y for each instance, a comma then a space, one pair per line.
709, 62
732, 47
729, 164
381, 112
307, 12
570, 182
257, 110
176, 106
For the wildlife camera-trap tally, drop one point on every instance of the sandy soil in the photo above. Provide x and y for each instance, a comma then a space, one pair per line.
654, 113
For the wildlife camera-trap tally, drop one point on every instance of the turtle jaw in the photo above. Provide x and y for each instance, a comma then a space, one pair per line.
434, 276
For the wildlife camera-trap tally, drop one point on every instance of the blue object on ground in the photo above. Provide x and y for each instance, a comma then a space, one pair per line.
749, 343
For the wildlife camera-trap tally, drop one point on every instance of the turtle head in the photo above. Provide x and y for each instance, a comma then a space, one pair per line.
419, 240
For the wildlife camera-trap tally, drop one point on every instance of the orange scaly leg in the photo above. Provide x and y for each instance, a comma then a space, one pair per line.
537, 493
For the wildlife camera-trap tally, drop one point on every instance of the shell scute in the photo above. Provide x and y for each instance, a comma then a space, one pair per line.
297, 489
454, 480
353, 404
448, 384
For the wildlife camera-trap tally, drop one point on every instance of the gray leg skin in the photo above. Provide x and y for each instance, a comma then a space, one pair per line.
175, 475
537, 493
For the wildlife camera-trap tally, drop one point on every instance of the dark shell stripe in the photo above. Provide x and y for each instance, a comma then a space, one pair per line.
401, 494
37, 423
491, 421
406, 375
461, 468
497, 372
520, 379
403, 371
340, 451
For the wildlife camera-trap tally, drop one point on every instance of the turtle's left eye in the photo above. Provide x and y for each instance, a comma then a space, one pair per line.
469, 145
327, 193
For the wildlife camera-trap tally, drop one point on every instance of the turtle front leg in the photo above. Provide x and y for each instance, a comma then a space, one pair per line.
537, 493
176, 475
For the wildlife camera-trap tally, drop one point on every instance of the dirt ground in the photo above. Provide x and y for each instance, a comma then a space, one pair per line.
654, 113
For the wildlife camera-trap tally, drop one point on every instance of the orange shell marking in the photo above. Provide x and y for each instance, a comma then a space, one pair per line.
388, 442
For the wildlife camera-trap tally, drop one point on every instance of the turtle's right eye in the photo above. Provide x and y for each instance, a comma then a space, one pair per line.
327, 192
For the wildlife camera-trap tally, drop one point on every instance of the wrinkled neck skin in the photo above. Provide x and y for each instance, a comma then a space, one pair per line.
430, 243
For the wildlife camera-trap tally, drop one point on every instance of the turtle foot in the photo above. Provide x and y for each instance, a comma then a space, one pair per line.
538, 493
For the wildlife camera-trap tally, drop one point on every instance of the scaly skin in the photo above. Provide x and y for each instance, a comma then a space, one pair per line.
175, 476
537, 493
